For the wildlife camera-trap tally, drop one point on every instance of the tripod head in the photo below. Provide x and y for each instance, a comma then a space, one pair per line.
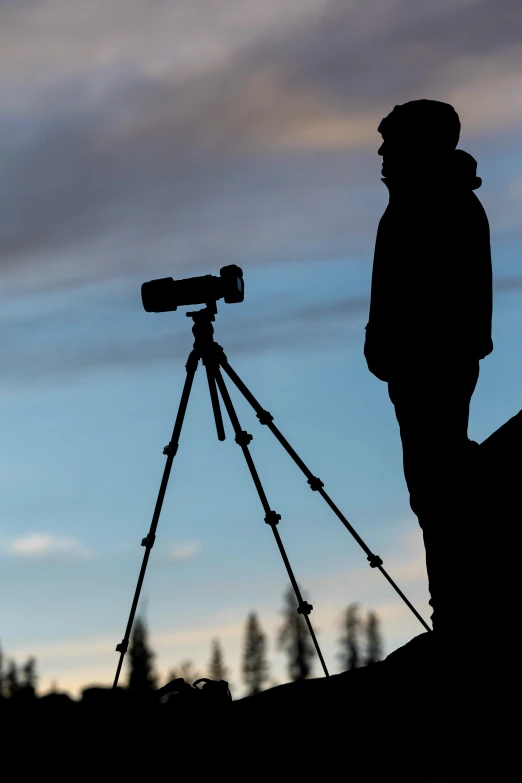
206, 314
203, 330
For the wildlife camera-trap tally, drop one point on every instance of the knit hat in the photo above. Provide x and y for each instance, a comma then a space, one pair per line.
423, 121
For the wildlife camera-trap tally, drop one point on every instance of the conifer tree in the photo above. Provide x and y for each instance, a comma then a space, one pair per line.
255, 666
349, 642
374, 645
12, 682
2, 678
142, 680
28, 679
216, 668
294, 639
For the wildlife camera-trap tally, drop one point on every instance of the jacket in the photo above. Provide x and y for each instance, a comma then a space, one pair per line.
431, 295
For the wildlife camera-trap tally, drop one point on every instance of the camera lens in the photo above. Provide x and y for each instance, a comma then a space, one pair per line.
158, 296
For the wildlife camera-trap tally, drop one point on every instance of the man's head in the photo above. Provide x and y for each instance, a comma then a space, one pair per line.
416, 130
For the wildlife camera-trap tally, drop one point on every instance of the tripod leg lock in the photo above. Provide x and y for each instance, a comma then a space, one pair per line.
243, 438
192, 361
148, 541
315, 483
171, 449
265, 417
304, 608
272, 518
375, 561
122, 646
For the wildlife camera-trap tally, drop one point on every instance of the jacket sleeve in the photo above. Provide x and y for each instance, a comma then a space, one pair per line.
376, 350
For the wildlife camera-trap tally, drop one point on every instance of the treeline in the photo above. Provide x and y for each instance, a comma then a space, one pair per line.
359, 644
18, 681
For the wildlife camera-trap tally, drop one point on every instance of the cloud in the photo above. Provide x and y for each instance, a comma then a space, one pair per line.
251, 140
185, 551
46, 546
38, 348
99, 35
240, 139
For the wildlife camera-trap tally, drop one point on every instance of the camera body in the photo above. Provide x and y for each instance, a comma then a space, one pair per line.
166, 294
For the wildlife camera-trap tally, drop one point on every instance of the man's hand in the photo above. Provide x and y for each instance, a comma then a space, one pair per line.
378, 364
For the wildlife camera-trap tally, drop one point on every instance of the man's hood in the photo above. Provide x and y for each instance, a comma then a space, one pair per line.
456, 170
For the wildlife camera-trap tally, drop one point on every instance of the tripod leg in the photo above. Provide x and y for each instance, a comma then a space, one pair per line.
215, 402
148, 541
315, 483
271, 517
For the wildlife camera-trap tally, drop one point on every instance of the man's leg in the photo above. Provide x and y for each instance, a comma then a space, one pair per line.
432, 408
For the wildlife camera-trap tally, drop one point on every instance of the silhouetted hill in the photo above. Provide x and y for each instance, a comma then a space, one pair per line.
426, 713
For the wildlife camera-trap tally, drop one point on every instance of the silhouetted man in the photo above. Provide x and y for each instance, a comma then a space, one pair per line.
429, 325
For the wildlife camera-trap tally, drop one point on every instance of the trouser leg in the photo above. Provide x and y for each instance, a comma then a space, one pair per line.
432, 408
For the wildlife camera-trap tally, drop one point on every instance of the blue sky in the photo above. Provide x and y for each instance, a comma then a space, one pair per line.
142, 142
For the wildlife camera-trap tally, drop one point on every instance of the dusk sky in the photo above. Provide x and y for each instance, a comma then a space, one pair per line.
146, 139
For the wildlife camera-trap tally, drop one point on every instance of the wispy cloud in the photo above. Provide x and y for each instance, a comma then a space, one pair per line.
47, 545
40, 349
184, 551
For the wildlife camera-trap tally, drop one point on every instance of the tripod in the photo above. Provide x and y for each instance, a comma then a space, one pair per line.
214, 359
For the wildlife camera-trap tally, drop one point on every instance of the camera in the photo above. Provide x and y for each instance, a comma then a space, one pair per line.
165, 295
